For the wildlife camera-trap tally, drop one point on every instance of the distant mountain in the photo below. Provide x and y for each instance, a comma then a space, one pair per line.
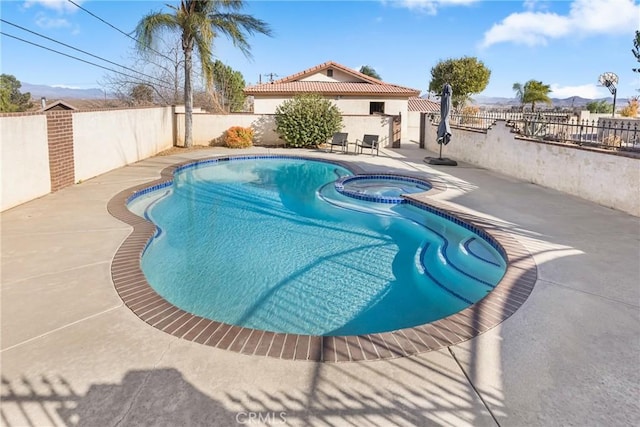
494, 100
574, 101
51, 92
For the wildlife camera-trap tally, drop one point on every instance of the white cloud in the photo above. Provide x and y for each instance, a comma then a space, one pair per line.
61, 6
44, 21
535, 5
585, 17
530, 28
589, 90
429, 6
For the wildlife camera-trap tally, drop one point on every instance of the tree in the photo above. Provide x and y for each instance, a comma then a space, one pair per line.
466, 75
11, 100
531, 92
199, 22
636, 50
307, 120
160, 69
142, 94
228, 86
600, 106
632, 108
369, 71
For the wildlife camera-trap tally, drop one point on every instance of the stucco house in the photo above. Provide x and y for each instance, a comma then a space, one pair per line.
354, 93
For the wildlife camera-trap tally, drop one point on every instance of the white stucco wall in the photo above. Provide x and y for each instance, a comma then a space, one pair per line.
338, 76
413, 126
349, 106
346, 104
24, 166
208, 127
106, 140
601, 177
358, 126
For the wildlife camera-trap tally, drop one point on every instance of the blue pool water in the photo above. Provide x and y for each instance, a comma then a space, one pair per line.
270, 244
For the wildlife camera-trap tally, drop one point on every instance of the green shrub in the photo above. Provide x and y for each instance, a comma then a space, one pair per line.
307, 120
238, 137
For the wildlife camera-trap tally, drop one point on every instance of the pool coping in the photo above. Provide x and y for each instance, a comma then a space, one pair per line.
136, 293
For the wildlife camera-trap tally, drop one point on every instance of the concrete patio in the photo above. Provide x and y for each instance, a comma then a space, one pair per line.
73, 354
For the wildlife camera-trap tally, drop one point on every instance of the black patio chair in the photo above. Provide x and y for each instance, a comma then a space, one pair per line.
340, 139
368, 141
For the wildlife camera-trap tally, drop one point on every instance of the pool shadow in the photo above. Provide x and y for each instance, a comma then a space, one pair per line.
406, 392
156, 397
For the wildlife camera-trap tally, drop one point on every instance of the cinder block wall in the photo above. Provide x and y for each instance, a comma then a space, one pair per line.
605, 177
210, 127
24, 158
45, 152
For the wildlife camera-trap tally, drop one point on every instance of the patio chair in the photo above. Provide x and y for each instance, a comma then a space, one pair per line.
340, 139
368, 141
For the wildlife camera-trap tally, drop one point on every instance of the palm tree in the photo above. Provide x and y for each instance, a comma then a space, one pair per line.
199, 22
519, 90
636, 50
531, 92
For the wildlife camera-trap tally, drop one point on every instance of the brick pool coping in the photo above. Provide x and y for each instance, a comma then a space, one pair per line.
132, 287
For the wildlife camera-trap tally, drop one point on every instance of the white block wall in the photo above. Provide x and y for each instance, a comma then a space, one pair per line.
24, 165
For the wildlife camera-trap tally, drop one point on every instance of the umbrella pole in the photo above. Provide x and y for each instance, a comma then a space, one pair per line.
440, 155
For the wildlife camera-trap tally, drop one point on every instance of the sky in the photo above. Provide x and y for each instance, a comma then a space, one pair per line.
567, 44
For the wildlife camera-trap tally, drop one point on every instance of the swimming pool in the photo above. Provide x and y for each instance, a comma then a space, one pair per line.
270, 244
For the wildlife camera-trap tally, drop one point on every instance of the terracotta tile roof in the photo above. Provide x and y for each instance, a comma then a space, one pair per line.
58, 105
329, 88
365, 85
423, 105
324, 66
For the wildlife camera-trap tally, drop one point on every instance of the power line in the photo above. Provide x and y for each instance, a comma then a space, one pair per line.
82, 51
78, 59
116, 28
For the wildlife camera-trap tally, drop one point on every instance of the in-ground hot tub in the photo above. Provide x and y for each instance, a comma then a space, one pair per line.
380, 188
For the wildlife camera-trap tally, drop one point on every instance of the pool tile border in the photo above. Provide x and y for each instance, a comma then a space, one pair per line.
132, 287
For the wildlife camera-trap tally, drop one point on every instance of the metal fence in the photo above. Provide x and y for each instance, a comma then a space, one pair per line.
611, 134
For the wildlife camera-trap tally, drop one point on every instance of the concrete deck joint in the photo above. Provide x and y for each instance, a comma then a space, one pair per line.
473, 386
53, 331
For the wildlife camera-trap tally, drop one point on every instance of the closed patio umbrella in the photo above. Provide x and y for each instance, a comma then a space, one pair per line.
444, 130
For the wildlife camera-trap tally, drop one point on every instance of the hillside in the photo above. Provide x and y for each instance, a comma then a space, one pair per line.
574, 101
51, 92
87, 95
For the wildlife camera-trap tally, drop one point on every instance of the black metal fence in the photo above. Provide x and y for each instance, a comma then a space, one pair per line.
611, 134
